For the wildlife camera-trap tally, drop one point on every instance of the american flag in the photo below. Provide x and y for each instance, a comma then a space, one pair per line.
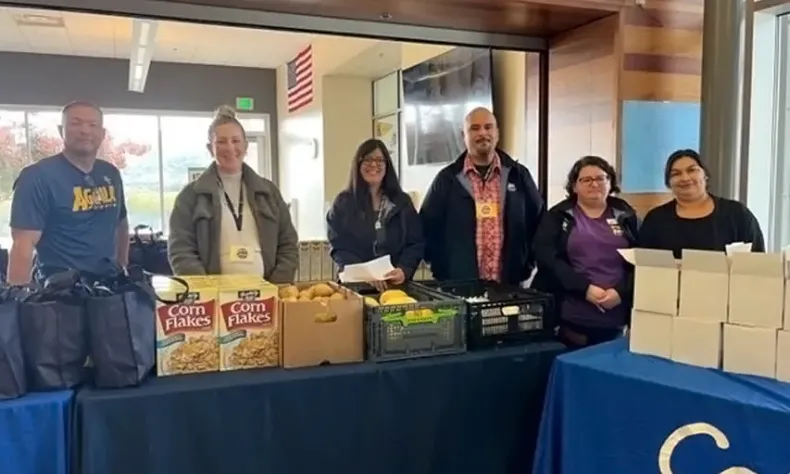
300, 80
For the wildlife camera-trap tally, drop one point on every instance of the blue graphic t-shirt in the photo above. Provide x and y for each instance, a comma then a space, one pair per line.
76, 212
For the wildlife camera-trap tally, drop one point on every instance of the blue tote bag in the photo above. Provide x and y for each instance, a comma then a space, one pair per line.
52, 326
12, 364
121, 326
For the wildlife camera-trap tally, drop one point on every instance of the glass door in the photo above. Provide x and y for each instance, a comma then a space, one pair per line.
257, 157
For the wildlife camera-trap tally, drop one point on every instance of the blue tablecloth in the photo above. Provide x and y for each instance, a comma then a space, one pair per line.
609, 411
474, 413
34, 433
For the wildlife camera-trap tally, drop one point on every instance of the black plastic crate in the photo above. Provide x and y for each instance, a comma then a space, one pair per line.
434, 325
504, 315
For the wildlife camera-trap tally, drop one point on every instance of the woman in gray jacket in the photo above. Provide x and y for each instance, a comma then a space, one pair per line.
231, 220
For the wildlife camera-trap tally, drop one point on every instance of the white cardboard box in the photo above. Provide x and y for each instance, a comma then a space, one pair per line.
656, 281
757, 289
750, 350
651, 334
783, 356
704, 285
697, 342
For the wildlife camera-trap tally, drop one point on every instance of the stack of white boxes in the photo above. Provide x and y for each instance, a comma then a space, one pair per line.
655, 302
714, 311
756, 313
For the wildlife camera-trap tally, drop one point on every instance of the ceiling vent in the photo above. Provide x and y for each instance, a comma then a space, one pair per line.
49, 21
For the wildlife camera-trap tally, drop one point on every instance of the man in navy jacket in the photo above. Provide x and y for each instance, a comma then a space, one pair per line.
481, 211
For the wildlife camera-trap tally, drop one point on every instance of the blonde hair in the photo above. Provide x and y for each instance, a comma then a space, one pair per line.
224, 115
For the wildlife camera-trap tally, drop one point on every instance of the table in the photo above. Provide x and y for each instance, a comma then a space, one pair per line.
34, 433
610, 411
471, 413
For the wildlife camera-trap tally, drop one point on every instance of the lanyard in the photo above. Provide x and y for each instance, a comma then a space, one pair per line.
238, 218
380, 216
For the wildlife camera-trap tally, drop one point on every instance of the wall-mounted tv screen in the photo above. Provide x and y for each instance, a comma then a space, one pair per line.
437, 95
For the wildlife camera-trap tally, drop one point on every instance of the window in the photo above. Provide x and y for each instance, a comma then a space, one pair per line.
386, 99
183, 149
387, 117
154, 152
13, 157
768, 191
44, 134
131, 145
255, 124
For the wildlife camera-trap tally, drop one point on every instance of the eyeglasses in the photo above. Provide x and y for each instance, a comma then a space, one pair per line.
588, 181
373, 162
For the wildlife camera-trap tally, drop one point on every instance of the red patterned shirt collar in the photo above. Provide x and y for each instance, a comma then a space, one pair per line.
496, 164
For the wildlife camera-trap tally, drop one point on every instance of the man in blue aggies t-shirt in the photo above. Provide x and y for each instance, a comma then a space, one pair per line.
70, 208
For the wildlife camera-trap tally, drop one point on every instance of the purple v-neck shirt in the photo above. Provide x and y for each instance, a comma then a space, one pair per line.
592, 251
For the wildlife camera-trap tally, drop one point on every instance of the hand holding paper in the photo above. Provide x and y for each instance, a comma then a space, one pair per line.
396, 276
374, 270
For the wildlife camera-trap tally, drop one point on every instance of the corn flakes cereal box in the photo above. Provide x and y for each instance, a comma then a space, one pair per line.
249, 326
186, 332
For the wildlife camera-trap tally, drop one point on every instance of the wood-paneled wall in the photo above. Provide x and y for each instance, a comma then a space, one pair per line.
583, 103
661, 60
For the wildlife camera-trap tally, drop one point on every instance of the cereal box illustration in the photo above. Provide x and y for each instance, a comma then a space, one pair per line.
249, 327
186, 333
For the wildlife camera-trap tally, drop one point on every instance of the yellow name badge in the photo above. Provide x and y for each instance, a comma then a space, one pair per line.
241, 254
487, 210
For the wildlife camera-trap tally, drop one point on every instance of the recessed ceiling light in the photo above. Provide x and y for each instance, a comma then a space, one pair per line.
385, 16
39, 20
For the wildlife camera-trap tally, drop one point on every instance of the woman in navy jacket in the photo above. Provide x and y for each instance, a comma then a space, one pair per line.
373, 217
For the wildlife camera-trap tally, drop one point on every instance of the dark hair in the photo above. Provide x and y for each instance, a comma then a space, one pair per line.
357, 185
598, 162
223, 116
82, 103
678, 154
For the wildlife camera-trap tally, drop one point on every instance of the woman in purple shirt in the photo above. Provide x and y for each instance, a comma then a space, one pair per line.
576, 247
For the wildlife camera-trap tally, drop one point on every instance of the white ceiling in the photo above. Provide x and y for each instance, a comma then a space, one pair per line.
110, 37
375, 62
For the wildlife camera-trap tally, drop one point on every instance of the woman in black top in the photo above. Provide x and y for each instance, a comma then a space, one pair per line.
373, 217
696, 219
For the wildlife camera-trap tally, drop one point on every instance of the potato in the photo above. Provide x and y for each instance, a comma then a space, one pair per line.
370, 301
322, 289
289, 298
289, 291
337, 296
305, 295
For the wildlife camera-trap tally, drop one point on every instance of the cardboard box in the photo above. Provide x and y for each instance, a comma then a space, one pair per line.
651, 334
322, 331
186, 332
249, 324
316, 261
305, 251
704, 285
328, 271
757, 289
656, 281
697, 342
783, 356
750, 350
